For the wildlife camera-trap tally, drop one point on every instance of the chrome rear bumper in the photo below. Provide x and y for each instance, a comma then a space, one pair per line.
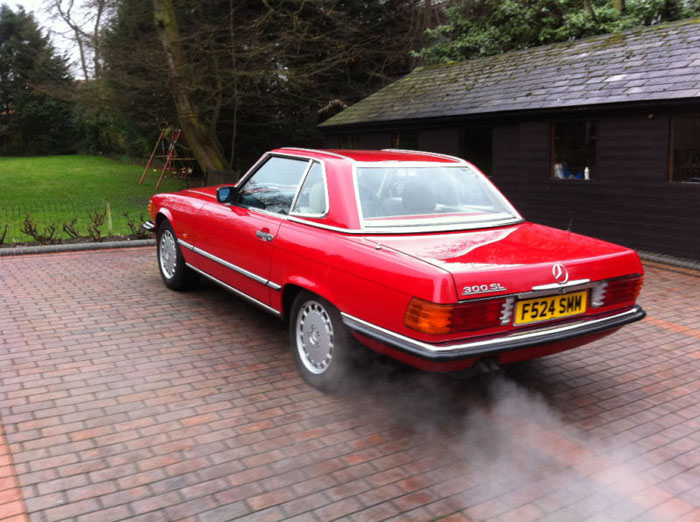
493, 345
149, 226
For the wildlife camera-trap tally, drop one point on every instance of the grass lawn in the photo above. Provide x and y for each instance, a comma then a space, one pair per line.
56, 189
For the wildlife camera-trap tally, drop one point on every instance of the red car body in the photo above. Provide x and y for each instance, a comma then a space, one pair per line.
439, 298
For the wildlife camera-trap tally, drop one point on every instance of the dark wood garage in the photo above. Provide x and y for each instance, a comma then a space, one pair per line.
601, 135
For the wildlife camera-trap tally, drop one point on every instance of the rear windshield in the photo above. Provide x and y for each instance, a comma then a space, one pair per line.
399, 197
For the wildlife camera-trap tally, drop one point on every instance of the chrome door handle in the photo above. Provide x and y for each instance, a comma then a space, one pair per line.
264, 236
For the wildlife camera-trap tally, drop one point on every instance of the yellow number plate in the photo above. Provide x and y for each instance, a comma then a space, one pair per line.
554, 307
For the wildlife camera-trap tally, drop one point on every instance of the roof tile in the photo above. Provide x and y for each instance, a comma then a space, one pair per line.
654, 63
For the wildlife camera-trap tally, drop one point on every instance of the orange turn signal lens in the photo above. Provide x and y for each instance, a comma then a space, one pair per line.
428, 317
150, 209
433, 318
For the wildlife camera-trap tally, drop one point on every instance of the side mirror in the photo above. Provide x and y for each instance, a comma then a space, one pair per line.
226, 194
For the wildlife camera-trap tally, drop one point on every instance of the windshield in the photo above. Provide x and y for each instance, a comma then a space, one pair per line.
422, 197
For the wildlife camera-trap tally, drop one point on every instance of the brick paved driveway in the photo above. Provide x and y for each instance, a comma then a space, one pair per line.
120, 399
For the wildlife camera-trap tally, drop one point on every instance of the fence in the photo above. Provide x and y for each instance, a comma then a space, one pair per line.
61, 215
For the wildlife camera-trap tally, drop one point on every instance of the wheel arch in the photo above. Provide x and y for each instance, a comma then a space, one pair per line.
164, 214
294, 286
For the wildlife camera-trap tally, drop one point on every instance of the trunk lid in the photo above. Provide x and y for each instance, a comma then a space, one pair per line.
513, 259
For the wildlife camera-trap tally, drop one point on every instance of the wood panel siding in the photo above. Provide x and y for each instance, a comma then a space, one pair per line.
506, 153
444, 141
630, 203
634, 149
376, 140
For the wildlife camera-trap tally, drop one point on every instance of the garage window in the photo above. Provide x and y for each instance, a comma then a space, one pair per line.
574, 149
685, 148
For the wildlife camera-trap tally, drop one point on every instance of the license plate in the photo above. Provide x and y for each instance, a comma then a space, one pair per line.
553, 307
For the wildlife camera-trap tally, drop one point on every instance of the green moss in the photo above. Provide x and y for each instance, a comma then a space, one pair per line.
612, 40
512, 67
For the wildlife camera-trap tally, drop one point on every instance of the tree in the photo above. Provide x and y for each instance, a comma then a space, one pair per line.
123, 109
86, 20
485, 27
198, 126
255, 74
35, 88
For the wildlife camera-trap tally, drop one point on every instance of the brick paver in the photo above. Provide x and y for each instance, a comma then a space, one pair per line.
120, 399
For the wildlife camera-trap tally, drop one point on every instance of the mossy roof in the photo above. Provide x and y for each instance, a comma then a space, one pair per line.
654, 63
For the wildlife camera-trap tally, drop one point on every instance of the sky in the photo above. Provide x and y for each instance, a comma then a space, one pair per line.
57, 28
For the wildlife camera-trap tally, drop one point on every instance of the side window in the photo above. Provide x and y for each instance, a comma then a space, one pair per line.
273, 185
685, 148
312, 196
574, 149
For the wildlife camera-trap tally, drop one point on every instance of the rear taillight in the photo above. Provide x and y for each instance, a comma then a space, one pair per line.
623, 290
434, 318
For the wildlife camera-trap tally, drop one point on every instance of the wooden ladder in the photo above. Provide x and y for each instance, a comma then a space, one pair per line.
174, 137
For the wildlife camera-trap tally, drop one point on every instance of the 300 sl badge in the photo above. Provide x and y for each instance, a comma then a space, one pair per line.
483, 289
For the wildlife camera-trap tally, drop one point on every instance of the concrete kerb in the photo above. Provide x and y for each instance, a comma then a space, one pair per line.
691, 264
74, 247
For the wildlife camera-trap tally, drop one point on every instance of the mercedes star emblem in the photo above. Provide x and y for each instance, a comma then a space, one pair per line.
560, 273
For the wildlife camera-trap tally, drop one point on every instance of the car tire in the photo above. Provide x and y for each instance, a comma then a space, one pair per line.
321, 344
175, 273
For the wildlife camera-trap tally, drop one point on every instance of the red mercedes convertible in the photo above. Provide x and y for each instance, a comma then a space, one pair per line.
415, 255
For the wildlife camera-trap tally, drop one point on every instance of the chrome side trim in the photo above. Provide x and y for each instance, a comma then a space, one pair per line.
556, 286
502, 343
202, 193
237, 292
385, 231
231, 266
185, 244
303, 221
417, 229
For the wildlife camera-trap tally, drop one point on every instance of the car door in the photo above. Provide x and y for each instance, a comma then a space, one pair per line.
235, 241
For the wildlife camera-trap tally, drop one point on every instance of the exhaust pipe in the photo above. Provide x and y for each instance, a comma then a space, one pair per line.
487, 365
480, 367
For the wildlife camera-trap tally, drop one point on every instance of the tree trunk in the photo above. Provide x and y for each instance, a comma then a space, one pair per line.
620, 5
201, 139
95, 39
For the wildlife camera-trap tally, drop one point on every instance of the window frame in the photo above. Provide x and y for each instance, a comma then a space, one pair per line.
552, 150
425, 225
259, 165
301, 185
671, 148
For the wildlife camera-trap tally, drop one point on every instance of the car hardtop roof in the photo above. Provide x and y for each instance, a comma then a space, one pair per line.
369, 156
